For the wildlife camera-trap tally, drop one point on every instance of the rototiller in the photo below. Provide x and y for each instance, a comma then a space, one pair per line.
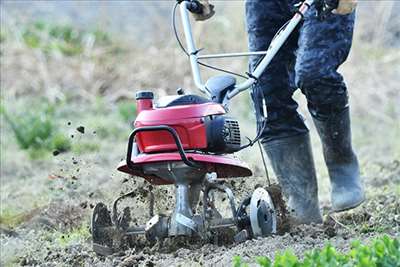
188, 141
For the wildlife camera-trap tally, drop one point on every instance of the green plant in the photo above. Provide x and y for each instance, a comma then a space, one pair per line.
12, 217
75, 235
66, 39
237, 262
61, 143
382, 252
127, 110
85, 147
37, 131
31, 129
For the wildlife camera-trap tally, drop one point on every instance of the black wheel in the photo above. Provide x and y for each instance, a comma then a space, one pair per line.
262, 213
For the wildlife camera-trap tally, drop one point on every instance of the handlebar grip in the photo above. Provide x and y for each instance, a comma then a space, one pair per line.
324, 7
195, 6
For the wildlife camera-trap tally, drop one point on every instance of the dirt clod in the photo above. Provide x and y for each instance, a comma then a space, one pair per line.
81, 129
83, 205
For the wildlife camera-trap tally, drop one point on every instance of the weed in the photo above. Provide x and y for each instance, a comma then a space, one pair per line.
31, 130
36, 131
85, 147
75, 235
11, 217
61, 143
65, 39
383, 251
127, 110
237, 262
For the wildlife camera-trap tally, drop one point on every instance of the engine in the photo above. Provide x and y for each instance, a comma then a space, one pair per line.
223, 134
201, 125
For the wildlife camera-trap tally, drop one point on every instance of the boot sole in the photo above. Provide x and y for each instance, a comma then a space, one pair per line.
350, 207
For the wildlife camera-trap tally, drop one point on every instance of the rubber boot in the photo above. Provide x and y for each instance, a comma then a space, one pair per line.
293, 164
341, 161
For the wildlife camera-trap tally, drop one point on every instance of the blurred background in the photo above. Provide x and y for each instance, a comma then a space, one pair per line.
69, 73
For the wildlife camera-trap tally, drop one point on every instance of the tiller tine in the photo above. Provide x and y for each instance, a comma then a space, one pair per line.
255, 217
112, 231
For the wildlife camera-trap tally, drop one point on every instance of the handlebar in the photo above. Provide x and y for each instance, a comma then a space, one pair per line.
187, 6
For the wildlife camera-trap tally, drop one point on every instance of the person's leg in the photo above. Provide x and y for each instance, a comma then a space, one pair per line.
285, 137
323, 47
276, 84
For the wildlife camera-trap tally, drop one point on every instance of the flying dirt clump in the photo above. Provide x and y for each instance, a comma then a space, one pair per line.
283, 222
81, 129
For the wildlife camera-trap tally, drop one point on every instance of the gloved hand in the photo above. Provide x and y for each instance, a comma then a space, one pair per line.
345, 7
207, 11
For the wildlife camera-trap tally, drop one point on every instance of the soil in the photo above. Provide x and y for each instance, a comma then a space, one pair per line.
338, 230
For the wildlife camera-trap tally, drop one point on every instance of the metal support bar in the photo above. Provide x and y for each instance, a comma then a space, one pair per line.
221, 188
191, 47
275, 45
227, 55
273, 49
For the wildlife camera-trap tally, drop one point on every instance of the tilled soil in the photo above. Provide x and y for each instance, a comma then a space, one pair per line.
298, 240
43, 237
379, 215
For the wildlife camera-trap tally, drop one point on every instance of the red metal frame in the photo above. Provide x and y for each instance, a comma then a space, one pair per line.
224, 165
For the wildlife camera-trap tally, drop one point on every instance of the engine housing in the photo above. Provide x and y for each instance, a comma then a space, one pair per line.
223, 134
201, 125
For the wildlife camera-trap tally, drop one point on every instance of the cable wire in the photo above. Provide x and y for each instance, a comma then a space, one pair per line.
186, 52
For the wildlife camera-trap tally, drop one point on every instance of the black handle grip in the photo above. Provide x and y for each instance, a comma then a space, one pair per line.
195, 6
325, 7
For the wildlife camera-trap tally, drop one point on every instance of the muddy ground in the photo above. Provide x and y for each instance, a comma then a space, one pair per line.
56, 234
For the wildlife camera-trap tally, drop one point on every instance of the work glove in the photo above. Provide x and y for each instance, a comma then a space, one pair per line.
345, 7
207, 11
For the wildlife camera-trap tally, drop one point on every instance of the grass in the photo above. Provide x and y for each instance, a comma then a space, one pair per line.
36, 130
127, 110
64, 39
85, 147
11, 217
383, 251
76, 235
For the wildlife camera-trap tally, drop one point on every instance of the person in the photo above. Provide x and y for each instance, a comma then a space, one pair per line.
309, 60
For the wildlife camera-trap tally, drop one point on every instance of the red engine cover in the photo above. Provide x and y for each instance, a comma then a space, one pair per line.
187, 120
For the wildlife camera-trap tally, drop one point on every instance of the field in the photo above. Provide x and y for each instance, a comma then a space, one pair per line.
68, 83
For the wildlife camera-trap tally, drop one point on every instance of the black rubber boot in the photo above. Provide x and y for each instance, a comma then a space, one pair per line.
293, 164
335, 133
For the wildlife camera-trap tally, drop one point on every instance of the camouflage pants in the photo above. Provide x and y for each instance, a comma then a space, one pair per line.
309, 60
